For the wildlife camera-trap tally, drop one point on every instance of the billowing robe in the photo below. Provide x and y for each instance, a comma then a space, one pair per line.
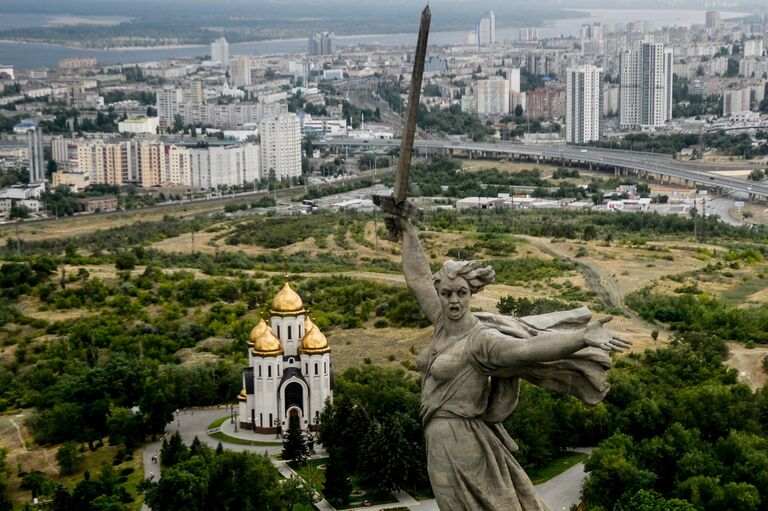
467, 391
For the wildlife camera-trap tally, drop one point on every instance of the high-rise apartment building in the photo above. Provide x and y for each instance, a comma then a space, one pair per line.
513, 75
486, 29
35, 153
528, 34
646, 86
546, 103
492, 96
240, 71
322, 43
168, 99
281, 145
592, 42
220, 51
712, 20
583, 104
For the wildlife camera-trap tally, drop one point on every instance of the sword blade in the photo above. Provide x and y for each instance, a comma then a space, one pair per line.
409, 130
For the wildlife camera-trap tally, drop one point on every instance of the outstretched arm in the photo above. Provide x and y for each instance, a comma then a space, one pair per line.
416, 269
502, 352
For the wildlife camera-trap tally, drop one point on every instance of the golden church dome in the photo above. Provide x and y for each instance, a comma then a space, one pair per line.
242, 396
314, 342
257, 331
287, 301
267, 345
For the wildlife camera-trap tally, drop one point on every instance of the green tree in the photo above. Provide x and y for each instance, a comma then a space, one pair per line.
294, 445
173, 451
70, 458
338, 486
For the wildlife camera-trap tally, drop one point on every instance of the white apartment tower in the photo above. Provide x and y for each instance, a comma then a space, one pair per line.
168, 99
35, 153
492, 96
289, 372
281, 145
583, 104
486, 29
646, 86
220, 51
240, 71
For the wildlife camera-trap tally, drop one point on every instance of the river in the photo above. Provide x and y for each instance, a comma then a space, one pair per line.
30, 56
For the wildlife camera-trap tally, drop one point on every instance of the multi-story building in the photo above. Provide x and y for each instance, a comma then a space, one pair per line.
528, 34
218, 166
35, 153
492, 96
322, 43
513, 75
486, 29
281, 145
240, 71
584, 104
753, 47
646, 86
545, 103
168, 100
592, 42
712, 20
220, 51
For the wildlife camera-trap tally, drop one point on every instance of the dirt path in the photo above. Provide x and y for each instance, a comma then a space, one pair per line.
599, 280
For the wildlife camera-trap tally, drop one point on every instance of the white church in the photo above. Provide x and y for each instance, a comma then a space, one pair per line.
289, 369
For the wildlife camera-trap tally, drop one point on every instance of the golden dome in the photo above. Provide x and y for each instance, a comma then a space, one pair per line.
257, 331
287, 301
242, 396
314, 342
267, 345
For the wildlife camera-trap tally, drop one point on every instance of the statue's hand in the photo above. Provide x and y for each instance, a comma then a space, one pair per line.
596, 336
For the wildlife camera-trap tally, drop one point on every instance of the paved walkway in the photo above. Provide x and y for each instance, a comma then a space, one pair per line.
558, 493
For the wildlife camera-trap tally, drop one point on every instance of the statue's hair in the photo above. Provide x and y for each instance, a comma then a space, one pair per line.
476, 276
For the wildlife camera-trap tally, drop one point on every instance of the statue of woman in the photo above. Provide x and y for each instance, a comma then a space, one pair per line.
471, 375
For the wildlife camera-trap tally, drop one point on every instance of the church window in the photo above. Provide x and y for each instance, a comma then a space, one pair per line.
261, 420
289, 331
306, 368
278, 370
325, 367
299, 330
316, 368
259, 371
269, 371
278, 331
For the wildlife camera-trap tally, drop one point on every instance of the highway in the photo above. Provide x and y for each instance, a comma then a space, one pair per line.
632, 161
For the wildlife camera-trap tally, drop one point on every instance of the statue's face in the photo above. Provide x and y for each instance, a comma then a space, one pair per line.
454, 297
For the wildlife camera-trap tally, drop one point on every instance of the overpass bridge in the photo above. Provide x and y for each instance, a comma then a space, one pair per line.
661, 167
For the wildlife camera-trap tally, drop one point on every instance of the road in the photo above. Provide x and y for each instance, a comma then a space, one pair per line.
653, 163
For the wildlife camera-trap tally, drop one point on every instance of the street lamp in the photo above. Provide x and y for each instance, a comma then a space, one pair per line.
237, 414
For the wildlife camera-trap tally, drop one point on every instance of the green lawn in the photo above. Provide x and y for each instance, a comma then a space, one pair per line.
556, 467
217, 422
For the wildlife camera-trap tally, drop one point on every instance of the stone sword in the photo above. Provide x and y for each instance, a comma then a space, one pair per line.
396, 204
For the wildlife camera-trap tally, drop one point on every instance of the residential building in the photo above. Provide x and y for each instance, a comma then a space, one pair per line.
545, 103
528, 34
322, 43
168, 100
281, 146
35, 154
646, 86
240, 71
220, 51
592, 42
584, 104
492, 96
486, 29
